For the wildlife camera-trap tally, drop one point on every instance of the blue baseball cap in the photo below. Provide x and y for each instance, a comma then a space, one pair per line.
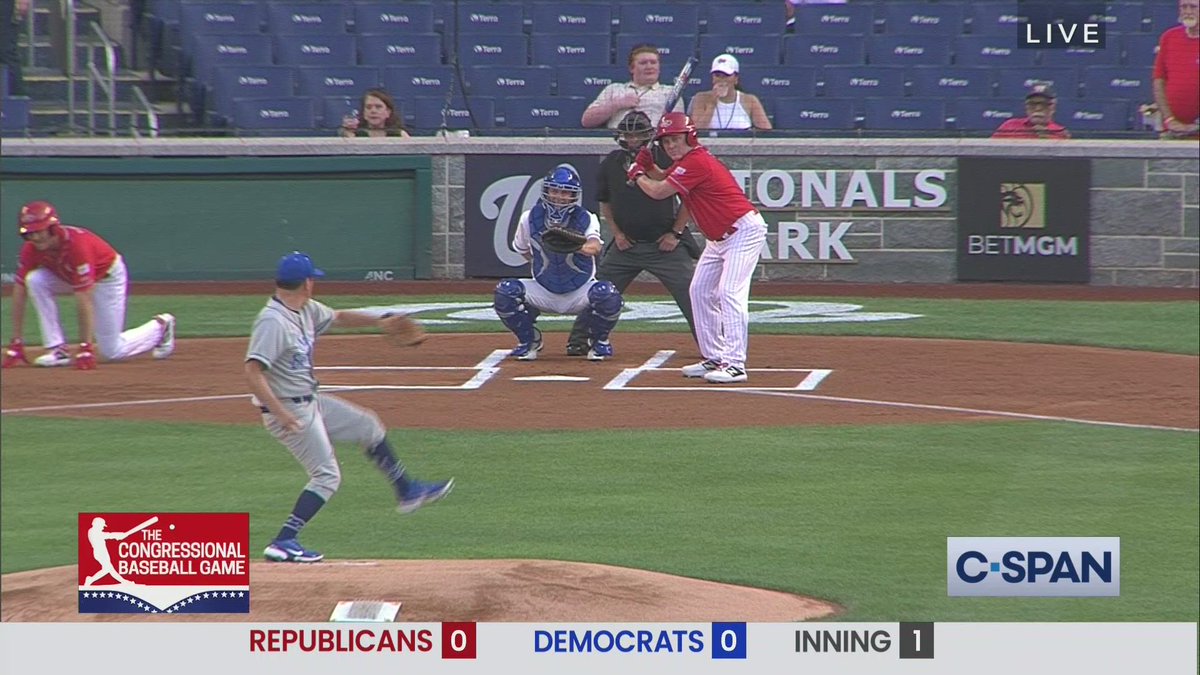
297, 266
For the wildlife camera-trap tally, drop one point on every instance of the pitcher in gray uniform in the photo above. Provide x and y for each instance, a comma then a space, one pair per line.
279, 369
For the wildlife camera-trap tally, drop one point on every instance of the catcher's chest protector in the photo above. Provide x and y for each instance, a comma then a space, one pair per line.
557, 272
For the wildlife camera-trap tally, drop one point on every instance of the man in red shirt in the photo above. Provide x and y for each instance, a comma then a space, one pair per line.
720, 289
1039, 117
57, 259
1177, 74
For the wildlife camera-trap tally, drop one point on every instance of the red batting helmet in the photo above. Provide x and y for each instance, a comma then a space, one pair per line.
673, 123
38, 216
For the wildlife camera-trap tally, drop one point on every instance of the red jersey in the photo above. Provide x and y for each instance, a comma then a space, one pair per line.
1020, 127
1178, 65
81, 259
709, 191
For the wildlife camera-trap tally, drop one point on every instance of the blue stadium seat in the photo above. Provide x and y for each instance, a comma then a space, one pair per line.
588, 81
493, 50
984, 114
1138, 49
14, 115
278, 116
487, 18
905, 114
808, 114
1123, 17
951, 83
501, 82
992, 51
336, 108
1092, 115
922, 18
835, 19
427, 113
672, 50
3, 82
569, 18
994, 19
400, 49
316, 50
306, 18
416, 81
326, 81
780, 81
753, 50
238, 81
1103, 83
1163, 15
537, 112
823, 50
571, 49
1012, 85
908, 50
743, 18
227, 18
220, 50
392, 17
1109, 56
863, 81
639, 18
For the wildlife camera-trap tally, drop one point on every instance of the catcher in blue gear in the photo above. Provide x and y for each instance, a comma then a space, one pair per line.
561, 240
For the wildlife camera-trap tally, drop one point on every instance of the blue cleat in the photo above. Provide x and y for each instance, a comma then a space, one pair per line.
421, 493
600, 350
290, 550
527, 351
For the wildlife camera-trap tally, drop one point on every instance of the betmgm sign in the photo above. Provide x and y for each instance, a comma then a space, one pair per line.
1023, 220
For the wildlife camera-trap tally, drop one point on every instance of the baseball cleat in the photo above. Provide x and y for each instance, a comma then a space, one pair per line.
700, 369
54, 358
726, 374
420, 493
290, 550
527, 351
575, 349
166, 345
600, 350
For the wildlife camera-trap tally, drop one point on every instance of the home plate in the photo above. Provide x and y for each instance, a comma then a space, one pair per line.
551, 378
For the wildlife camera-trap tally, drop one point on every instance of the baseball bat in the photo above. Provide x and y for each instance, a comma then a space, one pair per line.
681, 81
149, 521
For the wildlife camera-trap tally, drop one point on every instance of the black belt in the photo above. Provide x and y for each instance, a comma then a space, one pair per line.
293, 399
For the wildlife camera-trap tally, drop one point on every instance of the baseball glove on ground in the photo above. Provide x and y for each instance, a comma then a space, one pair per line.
562, 240
401, 331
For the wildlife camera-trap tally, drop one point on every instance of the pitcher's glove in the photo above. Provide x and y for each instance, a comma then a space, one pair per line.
562, 240
401, 331
14, 354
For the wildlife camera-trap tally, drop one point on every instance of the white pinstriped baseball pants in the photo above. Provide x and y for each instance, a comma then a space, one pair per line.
720, 291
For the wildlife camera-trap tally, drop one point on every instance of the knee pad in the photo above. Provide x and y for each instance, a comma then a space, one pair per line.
509, 297
605, 299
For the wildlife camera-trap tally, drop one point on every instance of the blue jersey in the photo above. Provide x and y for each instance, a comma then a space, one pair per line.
558, 272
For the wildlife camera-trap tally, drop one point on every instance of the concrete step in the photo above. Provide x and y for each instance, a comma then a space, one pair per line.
45, 84
52, 118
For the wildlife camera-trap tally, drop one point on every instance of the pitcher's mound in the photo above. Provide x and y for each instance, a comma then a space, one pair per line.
446, 590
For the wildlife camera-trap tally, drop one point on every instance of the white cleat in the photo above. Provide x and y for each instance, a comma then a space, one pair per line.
700, 369
727, 375
166, 345
54, 358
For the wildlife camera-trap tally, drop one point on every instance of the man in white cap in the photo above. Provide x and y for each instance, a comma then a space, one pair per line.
726, 106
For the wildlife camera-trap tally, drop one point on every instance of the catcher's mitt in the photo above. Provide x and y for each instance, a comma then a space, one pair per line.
401, 331
562, 240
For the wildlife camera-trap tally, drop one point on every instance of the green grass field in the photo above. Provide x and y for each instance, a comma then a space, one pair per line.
858, 516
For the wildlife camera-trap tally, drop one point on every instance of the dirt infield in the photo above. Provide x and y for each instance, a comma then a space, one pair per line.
794, 381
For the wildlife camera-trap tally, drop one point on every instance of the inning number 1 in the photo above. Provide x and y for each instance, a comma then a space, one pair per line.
916, 640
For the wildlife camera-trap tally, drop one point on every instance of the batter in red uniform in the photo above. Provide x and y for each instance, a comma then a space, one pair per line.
735, 231
57, 259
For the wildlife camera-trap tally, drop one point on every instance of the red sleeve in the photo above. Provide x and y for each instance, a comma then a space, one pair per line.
1160, 60
689, 172
27, 261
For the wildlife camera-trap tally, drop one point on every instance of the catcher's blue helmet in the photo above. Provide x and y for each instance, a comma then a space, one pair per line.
567, 192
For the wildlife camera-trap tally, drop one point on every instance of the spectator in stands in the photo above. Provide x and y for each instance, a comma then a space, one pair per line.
789, 6
643, 92
12, 16
726, 106
376, 118
1177, 75
1039, 117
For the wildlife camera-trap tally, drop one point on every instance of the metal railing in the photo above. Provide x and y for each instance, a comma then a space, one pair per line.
68, 14
106, 80
136, 113
31, 52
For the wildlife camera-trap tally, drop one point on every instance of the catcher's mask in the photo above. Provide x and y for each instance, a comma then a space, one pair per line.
38, 216
562, 191
634, 130
673, 123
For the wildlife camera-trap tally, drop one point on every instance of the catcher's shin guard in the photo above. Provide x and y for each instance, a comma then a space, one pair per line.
605, 309
509, 303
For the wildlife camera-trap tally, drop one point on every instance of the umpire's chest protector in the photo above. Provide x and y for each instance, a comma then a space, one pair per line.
559, 272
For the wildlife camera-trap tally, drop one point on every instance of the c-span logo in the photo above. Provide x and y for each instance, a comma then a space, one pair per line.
1074, 567
164, 563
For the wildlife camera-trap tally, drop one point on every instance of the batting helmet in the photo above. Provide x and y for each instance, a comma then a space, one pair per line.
38, 216
674, 123
568, 192
637, 124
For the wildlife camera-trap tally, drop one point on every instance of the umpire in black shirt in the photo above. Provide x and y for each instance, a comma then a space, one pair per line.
643, 229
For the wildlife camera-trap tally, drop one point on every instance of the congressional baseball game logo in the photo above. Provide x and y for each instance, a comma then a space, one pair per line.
165, 563
1023, 205
1074, 567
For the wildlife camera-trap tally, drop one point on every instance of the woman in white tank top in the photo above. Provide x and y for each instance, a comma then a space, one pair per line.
726, 106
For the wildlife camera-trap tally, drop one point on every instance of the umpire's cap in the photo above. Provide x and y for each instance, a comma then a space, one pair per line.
297, 266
